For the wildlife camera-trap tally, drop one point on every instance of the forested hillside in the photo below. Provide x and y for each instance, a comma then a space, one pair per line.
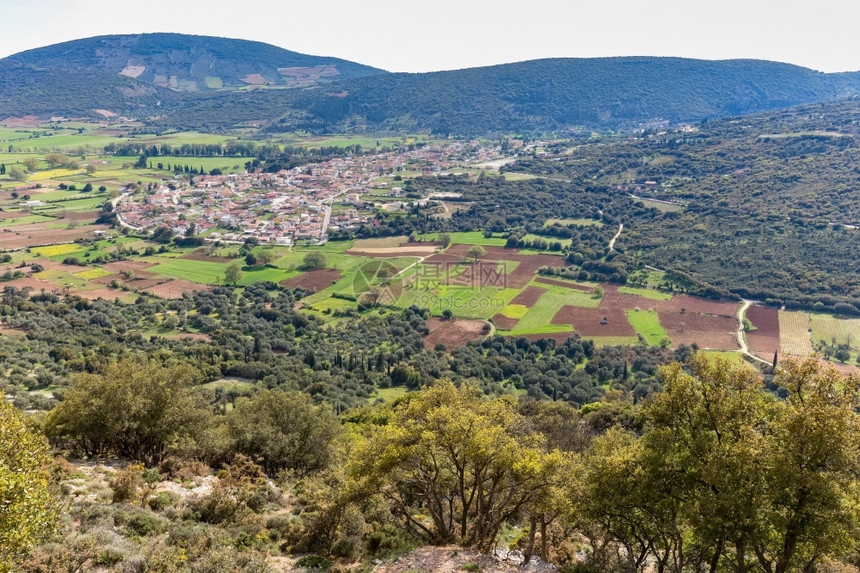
192, 63
327, 94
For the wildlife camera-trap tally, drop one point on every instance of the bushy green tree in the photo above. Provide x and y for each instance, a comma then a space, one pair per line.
315, 260
139, 409
727, 476
285, 430
28, 511
233, 273
467, 462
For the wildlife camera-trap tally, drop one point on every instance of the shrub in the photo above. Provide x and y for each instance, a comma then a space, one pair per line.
162, 501
314, 561
127, 484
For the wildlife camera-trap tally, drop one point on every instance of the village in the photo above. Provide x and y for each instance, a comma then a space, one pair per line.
300, 204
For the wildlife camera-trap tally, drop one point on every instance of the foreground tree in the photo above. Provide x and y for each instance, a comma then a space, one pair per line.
467, 462
134, 408
727, 475
285, 430
28, 511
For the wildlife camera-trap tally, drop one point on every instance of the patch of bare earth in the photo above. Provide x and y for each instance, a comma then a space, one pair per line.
26, 121
175, 288
315, 280
713, 332
529, 296
454, 333
100, 293
697, 305
454, 559
595, 321
33, 283
38, 234
504, 322
764, 341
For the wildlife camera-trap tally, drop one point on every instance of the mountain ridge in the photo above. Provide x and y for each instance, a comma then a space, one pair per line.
201, 82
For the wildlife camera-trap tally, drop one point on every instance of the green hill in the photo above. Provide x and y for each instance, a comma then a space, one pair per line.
205, 82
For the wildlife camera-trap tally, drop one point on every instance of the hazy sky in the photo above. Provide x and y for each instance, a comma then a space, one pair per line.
404, 35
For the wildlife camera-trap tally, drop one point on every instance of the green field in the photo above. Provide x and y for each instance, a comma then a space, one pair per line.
388, 394
645, 292
24, 219
831, 330
539, 317
515, 311
731, 356
204, 272
252, 275
509, 176
647, 325
661, 206
93, 273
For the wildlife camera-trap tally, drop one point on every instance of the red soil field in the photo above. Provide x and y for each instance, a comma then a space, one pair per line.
442, 259
48, 264
614, 299
503, 322
315, 280
175, 288
563, 284
714, 332
26, 121
145, 283
33, 283
80, 216
103, 293
37, 235
108, 279
765, 340
453, 333
697, 305
587, 321
529, 296
492, 254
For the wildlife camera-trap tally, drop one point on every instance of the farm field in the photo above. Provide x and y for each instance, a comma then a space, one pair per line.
502, 287
794, 333
647, 325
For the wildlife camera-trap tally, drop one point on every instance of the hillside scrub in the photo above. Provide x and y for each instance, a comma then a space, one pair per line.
714, 472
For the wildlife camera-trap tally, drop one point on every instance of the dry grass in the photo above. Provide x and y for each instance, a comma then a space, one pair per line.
794, 333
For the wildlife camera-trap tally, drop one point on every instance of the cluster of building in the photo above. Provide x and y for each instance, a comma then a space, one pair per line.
287, 206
